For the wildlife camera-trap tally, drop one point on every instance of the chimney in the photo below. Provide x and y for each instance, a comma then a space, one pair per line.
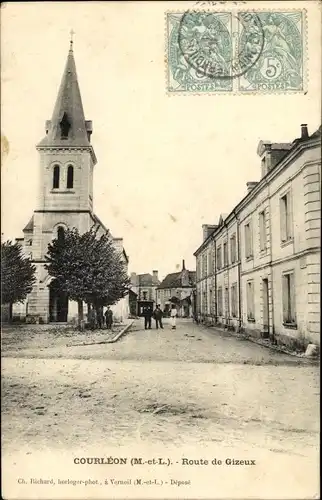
155, 278
250, 186
184, 275
304, 131
207, 229
134, 279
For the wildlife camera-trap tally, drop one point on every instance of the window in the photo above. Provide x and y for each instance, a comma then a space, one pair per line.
248, 241
210, 262
233, 253
204, 258
70, 176
234, 300
145, 295
262, 231
198, 269
199, 302
60, 233
219, 302
64, 127
204, 303
219, 258
226, 302
225, 254
250, 300
289, 316
285, 217
56, 173
210, 304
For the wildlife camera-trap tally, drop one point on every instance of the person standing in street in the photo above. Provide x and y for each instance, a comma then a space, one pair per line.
109, 318
147, 314
173, 315
100, 317
157, 314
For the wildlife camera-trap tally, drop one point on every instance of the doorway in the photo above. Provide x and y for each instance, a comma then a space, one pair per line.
58, 304
265, 309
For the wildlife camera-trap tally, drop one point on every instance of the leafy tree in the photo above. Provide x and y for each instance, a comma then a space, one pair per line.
17, 273
87, 268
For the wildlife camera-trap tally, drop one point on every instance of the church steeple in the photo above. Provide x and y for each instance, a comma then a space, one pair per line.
68, 126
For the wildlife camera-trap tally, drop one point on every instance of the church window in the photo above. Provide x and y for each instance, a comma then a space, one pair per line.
70, 176
60, 233
56, 177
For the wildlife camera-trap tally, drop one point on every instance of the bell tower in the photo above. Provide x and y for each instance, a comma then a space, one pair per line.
67, 161
67, 157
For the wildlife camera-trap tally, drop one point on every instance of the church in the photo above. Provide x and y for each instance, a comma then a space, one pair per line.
67, 161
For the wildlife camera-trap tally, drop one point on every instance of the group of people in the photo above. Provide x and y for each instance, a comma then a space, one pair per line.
157, 315
99, 319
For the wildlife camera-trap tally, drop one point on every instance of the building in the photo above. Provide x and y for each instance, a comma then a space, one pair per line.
67, 161
178, 288
143, 290
145, 285
258, 269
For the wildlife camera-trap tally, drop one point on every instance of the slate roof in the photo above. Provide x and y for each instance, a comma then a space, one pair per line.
317, 133
69, 104
146, 279
30, 225
281, 145
174, 280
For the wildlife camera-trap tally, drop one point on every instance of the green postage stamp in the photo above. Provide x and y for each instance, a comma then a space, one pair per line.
243, 52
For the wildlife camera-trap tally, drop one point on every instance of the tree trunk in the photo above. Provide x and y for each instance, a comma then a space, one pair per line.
81, 322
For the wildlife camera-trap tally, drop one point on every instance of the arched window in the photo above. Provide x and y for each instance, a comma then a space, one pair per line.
70, 176
56, 177
60, 233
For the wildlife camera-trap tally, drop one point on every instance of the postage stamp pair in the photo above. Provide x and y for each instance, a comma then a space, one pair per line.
244, 51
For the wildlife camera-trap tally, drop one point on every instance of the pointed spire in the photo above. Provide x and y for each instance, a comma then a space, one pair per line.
72, 33
68, 126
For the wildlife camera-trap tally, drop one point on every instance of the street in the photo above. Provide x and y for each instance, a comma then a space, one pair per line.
193, 387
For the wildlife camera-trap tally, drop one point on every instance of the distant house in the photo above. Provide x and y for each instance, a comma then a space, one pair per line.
143, 289
178, 288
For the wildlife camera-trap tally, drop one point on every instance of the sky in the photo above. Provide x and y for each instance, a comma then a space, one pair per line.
166, 164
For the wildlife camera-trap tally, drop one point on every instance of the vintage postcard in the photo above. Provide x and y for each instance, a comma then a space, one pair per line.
160, 249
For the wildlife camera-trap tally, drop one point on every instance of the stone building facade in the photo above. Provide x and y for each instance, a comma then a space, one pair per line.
145, 285
67, 161
258, 270
178, 288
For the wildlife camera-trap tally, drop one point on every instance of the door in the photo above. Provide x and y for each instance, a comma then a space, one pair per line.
58, 304
265, 309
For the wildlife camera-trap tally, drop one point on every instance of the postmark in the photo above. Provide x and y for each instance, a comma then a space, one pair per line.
236, 51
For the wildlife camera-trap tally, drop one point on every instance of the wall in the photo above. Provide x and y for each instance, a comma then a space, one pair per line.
300, 254
299, 174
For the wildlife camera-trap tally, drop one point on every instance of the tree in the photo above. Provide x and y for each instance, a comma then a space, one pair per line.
17, 273
87, 268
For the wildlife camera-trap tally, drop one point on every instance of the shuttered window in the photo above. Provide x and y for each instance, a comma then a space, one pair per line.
234, 300
285, 217
250, 300
288, 289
